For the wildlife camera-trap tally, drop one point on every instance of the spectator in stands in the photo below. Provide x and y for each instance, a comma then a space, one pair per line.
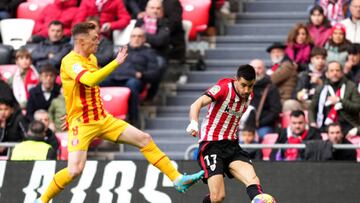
50, 138
105, 50
34, 147
57, 111
7, 93
42, 95
299, 45
8, 8
337, 45
297, 132
311, 78
248, 137
352, 65
266, 100
140, 67
337, 100
336, 136
13, 124
25, 77
136, 8
156, 27
211, 29
53, 49
112, 14
63, 11
318, 26
283, 72
352, 24
173, 13
333, 10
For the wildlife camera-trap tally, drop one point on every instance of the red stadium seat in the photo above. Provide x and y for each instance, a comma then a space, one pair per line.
198, 13
30, 10
116, 100
285, 119
144, 92
7, 71
268, 139
62, 138
356, 141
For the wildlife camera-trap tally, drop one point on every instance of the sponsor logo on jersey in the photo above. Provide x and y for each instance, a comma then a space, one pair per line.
77, 68
230, 111
75, 142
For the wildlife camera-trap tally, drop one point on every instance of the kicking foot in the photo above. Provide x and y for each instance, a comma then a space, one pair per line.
186, 181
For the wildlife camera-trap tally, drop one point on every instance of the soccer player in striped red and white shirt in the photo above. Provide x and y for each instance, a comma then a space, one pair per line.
219, 150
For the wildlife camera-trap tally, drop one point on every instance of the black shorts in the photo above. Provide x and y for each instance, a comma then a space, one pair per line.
215, 157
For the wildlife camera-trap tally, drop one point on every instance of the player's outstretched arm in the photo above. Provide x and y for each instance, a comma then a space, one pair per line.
193, 127
94, 78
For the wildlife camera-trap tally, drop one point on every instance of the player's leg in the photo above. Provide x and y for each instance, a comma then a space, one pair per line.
245, 173
217, 189
126, 133
76, 163
211, 160
79, 139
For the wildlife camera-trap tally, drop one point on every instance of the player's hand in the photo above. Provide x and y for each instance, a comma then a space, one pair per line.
122, 54
64, 126
193, 128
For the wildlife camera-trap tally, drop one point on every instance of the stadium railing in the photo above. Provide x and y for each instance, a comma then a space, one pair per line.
9, 146
189, 151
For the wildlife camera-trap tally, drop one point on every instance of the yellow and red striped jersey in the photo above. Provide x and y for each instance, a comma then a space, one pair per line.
83, 103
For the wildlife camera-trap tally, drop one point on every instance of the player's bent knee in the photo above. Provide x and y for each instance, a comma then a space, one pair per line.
255, 180
217, 197
75, 171
145, 139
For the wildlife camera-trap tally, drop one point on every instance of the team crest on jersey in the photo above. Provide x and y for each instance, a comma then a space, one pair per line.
77, 68
213, 167
215, 89
75, 142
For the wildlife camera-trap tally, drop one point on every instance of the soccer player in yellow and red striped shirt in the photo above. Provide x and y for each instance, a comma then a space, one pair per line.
87, 118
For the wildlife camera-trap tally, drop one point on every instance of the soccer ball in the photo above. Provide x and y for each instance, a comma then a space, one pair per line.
263, 198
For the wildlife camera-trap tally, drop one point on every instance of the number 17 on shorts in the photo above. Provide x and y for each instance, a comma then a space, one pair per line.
211, 161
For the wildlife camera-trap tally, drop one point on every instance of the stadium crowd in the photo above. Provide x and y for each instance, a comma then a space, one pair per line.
313, 80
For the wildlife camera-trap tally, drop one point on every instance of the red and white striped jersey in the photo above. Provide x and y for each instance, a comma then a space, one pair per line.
224, 112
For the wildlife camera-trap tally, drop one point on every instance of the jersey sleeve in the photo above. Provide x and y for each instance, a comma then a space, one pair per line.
74, 69
216, 92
